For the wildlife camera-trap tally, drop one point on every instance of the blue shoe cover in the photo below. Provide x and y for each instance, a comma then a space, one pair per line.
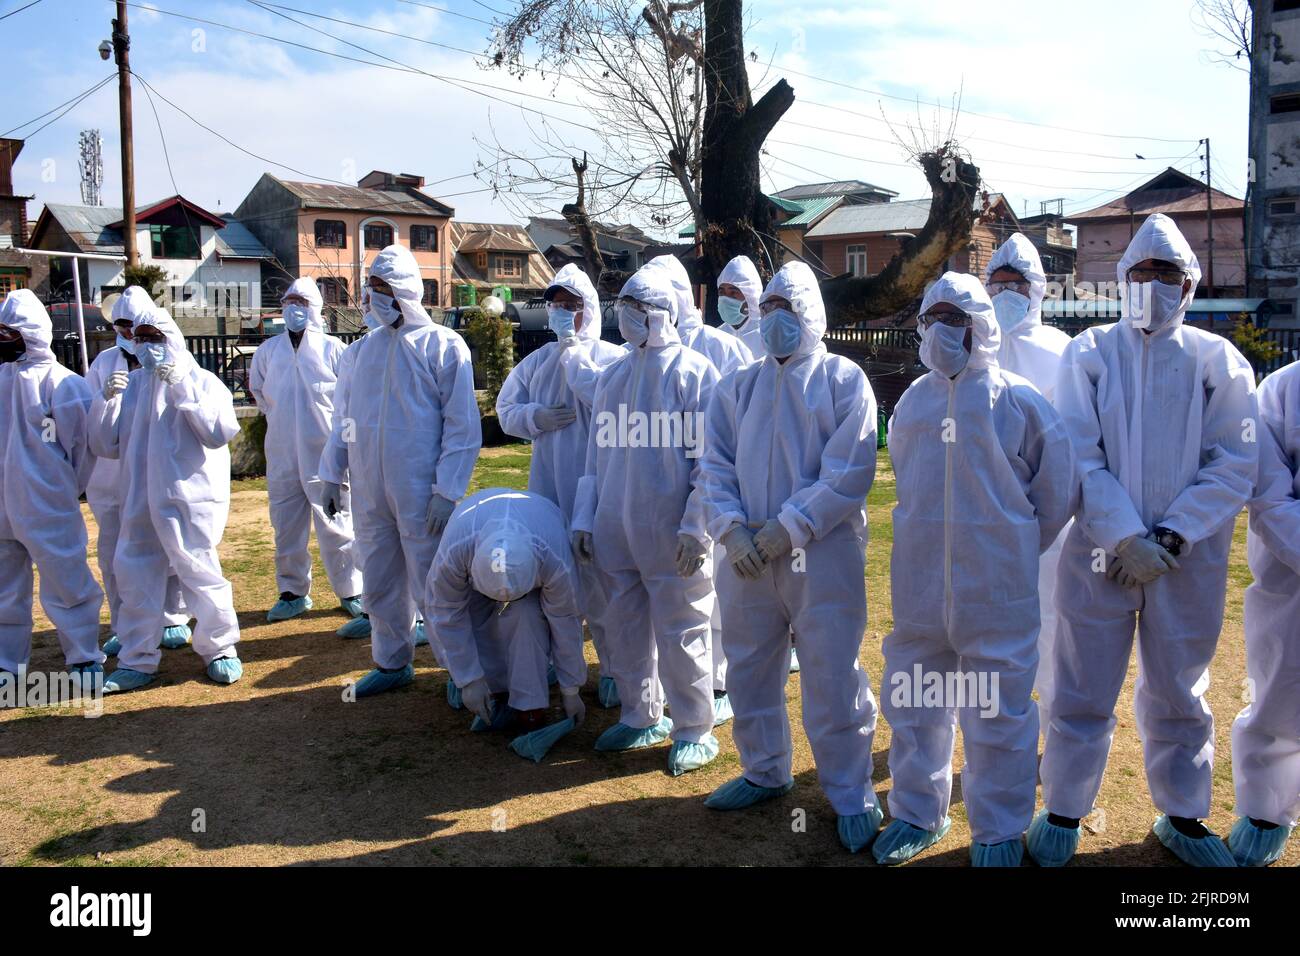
86, 678
534, 746
1207, 851
176, 636
607, 693
1007, 853
124, 679
421, 638
1252, 846
858, 830
351, 606
377, 681
721, 710
356, 628
685, 756
623, 737
794, 661
502, 717
226, 670
1049, 844
112, 647
739, 794
900, 841
283, 610
453, 696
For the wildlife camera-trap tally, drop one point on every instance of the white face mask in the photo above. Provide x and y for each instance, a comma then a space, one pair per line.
632, 323
943, 348
1151, 306
384, 307
1011, 309
151, 354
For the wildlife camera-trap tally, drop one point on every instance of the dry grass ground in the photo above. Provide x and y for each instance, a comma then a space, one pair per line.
278, 769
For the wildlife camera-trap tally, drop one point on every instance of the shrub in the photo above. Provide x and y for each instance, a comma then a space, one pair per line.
153, 279
491, 339
1251, 342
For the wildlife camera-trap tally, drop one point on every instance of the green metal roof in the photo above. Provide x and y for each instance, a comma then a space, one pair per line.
812, 209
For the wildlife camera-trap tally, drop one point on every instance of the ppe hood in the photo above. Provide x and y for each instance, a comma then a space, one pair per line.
651, 285
22, 311
504, 566
967, 293
795, 281
397, 266
573, 279
1019, 253
1160, 238
688, 316
305, 286
741, 273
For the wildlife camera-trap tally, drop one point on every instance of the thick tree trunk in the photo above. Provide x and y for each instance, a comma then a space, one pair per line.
575, 213
954, 188
735, 211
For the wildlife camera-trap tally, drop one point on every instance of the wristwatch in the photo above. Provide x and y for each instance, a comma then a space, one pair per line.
1170, 540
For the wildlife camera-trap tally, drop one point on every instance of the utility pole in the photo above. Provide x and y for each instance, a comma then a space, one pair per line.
121, 55
1209, 225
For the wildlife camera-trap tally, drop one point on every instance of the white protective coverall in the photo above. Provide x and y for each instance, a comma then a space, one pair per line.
44, 466
1033, 351
415, 434
547, 378
295, 389
171, 442
1266, 734
518, 540
641, 488
1161, 426
104, 495
795, 441
742, 273
986, 481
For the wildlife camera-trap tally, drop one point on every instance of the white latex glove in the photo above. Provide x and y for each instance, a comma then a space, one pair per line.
744, 557
477, 698
1140, 561
331, 498
772, 540
573, 705
167, 372
569, 341
116, 384
549, 419
690, 555
582, 545
435, 519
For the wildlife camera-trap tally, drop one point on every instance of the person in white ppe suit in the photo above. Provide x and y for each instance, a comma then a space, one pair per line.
45, 463
503, 593
1016, 283
408, 455
739, 288
169, 424
293, 379
639, 515
1162, 418
791, 455
1266, 734
104, 495
547, 399
986, 482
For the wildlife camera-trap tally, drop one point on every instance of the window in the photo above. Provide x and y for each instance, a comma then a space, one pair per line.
1284, 308
1281, 6
509, 267
378, 235
856, 259
431, 292
10, 281
173, 242
1284, 103
331, 234
424, 238
1282, 207
333, 291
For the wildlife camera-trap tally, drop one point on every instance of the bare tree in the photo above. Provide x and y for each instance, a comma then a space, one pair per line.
1228, 24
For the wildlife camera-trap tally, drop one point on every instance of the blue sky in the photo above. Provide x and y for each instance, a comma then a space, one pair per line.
1103, 81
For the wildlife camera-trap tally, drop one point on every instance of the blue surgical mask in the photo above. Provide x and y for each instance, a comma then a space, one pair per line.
296, 316
1150, 306
731, 311
561, 321
943, 348
125, 344
1011, 309
781, 331
384, 308
632, 323
151, 354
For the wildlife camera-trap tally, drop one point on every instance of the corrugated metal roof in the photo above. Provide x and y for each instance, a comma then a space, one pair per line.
907, 216
356, 199
89, 228
844, 187
465, 239
812, 209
